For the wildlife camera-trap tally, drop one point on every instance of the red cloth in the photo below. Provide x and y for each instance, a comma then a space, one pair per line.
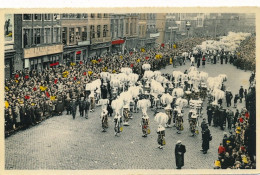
84, 73
26, 76
241, 120
99, 60
16, 75
247, 115
162, 44
34, 88
131, 53
27, 97
146, 58
203, 59
47, 94
75, 78
80, 62
55, 81
132, 65
221, 150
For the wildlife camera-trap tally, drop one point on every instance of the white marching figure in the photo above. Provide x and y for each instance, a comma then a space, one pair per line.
145, 125
104, 119
118, 120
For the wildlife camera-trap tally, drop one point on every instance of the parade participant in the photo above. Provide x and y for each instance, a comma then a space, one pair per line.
203, 125
192, 60
206, 138
193, 117
222, 117
87, 105
104, 119
82, 104
179, 122
92, 102
168, 112
161, 136
221, 150
145, 125
235, 100
117, 121
180, 150
198, 62
74, 105
241, 93
203, 61
67, 104
126, 115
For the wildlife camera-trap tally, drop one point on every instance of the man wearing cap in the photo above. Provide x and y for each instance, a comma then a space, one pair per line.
229, 97
206, 138
179, 154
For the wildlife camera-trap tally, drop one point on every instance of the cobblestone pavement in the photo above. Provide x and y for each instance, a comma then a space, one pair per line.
63, 143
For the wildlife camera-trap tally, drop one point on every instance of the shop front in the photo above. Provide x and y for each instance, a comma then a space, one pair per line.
97, 50
9, 59
117, 46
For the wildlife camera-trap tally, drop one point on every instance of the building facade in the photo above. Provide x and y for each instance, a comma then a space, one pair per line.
100, 39
151, 31
75, 37
117, 32
131, 31
160, 26
37, 40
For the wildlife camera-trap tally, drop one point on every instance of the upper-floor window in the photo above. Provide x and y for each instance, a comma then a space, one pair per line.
37, 17
78, 15
37, 36
105, 15
47, 35
92, 15
71, 15
47, 17
92, 30
56, 35
98, 31
27, 17
99, 15
127, 28
78, 33
105, 30
71, 35
84, 34
56, 17
84, 15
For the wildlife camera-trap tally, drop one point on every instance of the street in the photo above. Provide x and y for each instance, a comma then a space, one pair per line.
63, 143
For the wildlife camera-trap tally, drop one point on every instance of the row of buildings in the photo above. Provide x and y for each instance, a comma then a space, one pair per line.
37, 41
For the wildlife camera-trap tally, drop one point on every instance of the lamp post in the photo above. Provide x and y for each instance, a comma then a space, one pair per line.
188, 25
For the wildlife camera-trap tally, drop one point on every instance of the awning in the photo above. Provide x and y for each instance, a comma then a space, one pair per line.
121, 41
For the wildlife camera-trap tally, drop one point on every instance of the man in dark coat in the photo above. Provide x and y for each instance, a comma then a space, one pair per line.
230, 117
229, 97
206, 137
74, 105
103, 92
210, 114
81, 106
179, 154
241, 93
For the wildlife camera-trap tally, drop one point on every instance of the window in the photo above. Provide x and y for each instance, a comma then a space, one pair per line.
98, 31
71, 35
78, 15
26, 37
127, 28
71, 15
37, 36
140, 30
92, 15
135, 27
105, 30
131, 31
105, 15
99, 15
78, 32
37, 17
27, 17
57, 16
84, 34
47, 17
56, 35
92, 30
84, 15
47, 35
64, 35
65, 15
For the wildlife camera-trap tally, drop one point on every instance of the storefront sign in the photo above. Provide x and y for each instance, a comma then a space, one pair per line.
42, 50
83, 43
99, 40
78, 52
121, 41
153, 35
54, 64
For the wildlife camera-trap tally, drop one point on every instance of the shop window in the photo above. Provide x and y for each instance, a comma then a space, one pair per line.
71, 35
92, 15
78, 56
27, 17
47, 35
92, 30
47, 17
105, 30
84, 34
98, 31
37, 17
37, 36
